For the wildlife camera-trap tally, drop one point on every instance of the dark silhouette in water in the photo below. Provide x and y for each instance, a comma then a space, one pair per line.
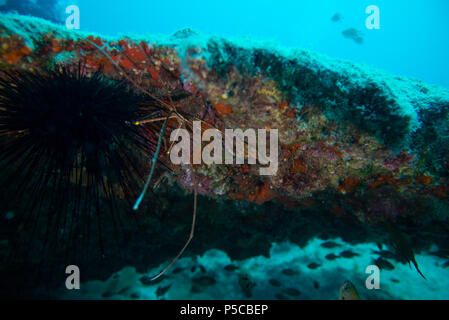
402, 247
353, 34
40, 8
337, 17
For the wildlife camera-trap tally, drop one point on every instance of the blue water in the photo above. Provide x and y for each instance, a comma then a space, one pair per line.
412, 41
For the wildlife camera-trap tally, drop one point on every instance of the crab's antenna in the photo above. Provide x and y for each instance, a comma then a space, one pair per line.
153, 165
103, 51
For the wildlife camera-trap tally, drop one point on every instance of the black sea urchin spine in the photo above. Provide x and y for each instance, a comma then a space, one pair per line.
69, 151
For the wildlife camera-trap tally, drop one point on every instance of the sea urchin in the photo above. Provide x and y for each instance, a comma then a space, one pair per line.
68, 150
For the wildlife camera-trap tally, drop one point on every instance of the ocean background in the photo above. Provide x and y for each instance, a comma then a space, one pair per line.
413, 39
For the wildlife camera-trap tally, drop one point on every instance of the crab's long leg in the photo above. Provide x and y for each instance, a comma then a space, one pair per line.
192, 230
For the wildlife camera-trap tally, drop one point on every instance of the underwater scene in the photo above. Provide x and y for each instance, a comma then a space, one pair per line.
237, 150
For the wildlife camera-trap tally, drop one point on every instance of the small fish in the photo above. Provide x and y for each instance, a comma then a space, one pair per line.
385, 254
135, 295
124, 290
162, 290
403, 248
231, 267
395, 280
280, 296
185, 33
290, 272
329, 245
353, 34
331, 256
348, 291
292, 292
383, 264
313, 265
204, 281
348, 254
337, 17
177, 270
